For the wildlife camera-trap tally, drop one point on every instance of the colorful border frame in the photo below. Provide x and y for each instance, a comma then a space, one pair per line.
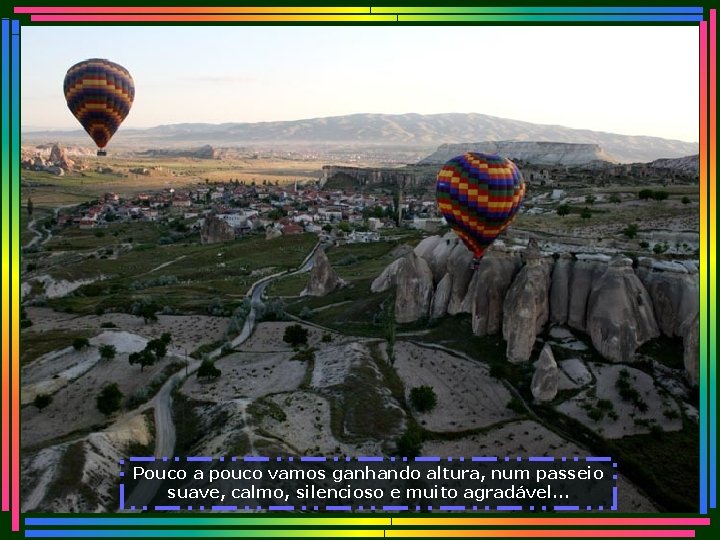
97, 527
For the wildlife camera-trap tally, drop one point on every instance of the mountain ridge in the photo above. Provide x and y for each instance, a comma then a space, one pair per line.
426, 132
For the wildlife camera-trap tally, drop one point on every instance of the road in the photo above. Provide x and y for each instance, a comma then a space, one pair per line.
162, 402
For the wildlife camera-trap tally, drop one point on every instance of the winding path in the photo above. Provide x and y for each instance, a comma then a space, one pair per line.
162, 402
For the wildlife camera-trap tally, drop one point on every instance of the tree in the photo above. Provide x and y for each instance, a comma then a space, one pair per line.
423, 398
166, 338
80, 343
42, 400
645, 194
148, 311
295, 335
30, 206
109, 399
158, 347
145, 358
107, 352
208, 370
563, 210
586, 213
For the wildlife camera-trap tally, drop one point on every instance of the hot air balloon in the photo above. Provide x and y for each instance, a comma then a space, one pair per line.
99, 93
479, 195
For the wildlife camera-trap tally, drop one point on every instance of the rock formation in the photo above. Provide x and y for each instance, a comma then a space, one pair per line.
215, 230
414, 289
619, 312
560, 289
441, 298
59, 158
586, 270
537, 152
487, 290
323, 279
544, 385
674, 292
526, 308
617, 307
691, 348
459, 268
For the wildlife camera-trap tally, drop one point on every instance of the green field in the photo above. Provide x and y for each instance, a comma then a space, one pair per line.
185, 277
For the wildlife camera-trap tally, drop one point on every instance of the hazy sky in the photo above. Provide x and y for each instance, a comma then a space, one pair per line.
629, 80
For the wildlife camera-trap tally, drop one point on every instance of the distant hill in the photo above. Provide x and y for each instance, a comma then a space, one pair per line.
540, 153
425, 132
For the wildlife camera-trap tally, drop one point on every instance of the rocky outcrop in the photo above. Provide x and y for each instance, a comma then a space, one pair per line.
673, 288
436, 251
488, 288
414, 291
526, 308
215, 231
544, 385
619, 314
560, 289
59, 158
618, 307
459, 267
691, 348
323, 279
441, 298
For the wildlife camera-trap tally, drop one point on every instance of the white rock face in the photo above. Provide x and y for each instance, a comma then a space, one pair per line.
541, 153
458, 266
544, 385
526, 308
619, 314
414, 289
387, 278
323, 279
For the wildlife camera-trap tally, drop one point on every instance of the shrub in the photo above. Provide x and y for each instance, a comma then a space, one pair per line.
80, 343
645, 194
423, 398
108, 325
42, 400
631, 230
660, 248
295, 335
409, 444
660, 195
685, 200
107, 352
590, 199
586, 213
615, 198
563, 210
208, 370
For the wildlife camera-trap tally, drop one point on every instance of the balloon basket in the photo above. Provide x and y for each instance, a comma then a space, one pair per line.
102, 152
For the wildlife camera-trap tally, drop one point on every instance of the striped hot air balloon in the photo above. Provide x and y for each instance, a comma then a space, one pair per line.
479, 195
99, 93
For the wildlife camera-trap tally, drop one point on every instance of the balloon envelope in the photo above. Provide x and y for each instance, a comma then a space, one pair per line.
479, 194
99, 93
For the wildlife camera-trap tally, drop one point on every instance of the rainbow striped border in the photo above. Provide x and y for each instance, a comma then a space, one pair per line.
96, 527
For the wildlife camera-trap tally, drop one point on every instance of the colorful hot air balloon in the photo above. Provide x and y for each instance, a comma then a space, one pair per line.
479, 194
99, 93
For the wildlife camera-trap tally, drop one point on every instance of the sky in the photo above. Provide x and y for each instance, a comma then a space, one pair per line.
631, 80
